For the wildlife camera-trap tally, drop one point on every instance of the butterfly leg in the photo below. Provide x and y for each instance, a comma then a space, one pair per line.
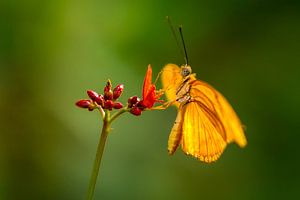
157, 77
164, 106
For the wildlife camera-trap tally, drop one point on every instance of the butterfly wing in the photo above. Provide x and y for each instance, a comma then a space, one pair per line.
202, 132
205, 125
171, 80
218, 104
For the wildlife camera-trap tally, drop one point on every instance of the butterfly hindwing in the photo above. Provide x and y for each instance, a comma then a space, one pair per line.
201, 136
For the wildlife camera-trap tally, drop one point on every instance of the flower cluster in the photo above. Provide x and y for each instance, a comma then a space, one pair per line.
109, 99
106, 101
135, 105
150, 96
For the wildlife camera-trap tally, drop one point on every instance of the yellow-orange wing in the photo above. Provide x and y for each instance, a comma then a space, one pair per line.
202, 132
216, 103
171, 79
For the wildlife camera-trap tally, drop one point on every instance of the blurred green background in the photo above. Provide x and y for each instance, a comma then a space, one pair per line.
51, 52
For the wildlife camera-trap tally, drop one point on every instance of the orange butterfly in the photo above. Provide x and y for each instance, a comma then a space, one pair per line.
205, 122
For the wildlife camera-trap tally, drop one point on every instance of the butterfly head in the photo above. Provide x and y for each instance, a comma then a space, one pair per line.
186, 70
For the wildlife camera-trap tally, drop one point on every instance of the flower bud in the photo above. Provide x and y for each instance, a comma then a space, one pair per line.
100, 100
132, 101
95, 97
92, 94
136, 111
108, 104
108, 86
140, 105
118, 105
108, 94
84, 103
118, 91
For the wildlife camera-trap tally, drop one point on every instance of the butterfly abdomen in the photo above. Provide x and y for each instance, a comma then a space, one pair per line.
176, 134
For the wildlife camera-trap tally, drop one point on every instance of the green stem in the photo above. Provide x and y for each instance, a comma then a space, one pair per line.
118, 114
100, 149
104, 133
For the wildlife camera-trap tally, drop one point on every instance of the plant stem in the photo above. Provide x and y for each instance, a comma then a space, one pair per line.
118, 114
104, 133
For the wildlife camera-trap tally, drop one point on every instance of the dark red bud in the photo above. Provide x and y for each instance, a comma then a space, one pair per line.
140, 105
136, 111
108, 104
108, 86
96, 97
92, 94
100, 100
84, 103
108, 95
132, 101
118, 105
118, 91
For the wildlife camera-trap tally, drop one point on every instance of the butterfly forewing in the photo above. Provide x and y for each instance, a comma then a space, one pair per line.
171, 81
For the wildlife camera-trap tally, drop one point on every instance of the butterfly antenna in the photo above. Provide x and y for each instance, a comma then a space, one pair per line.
183, 53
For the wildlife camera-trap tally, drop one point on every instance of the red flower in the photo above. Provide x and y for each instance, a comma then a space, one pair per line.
150, 95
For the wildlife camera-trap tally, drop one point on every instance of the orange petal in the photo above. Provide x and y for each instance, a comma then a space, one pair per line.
150, 98
147, 81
